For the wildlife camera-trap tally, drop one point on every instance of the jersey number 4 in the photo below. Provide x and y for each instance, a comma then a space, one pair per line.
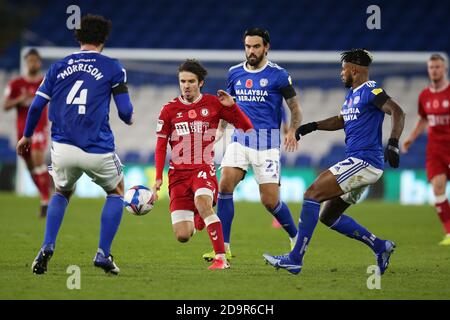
81, 99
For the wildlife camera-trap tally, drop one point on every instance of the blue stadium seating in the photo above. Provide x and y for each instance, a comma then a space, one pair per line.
294, 25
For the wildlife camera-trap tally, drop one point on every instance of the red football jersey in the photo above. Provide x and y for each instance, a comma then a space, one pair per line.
14, 90
435, 107
191, 129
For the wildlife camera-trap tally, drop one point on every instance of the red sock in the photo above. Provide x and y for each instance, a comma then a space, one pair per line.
443, 210
214, 227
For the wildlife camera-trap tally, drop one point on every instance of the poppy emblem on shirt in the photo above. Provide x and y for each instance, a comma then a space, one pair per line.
249, 83
205, 112
192, 114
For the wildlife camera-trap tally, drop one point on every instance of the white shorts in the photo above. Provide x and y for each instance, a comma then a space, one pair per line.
353, 176
265, 163
70, 162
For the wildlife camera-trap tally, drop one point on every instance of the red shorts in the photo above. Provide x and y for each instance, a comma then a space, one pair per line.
437, 163
184, 184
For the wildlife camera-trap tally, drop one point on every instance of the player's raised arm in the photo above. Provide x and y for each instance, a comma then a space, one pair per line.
232, 113
330, 124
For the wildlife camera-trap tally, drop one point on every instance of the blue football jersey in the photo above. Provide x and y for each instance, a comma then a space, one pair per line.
259, 94
363, 124
79, 88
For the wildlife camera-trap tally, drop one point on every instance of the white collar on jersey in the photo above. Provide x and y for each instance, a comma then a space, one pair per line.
356, 89
257, 70
86, 51
187, 102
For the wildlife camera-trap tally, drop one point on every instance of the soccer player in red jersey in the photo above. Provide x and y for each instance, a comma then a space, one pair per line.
188, 123
434, 113
19, 94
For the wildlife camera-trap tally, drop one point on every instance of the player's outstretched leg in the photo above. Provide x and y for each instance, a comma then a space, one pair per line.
325, 187
333, 217
203, 203
110, 221
225, 206
55, 214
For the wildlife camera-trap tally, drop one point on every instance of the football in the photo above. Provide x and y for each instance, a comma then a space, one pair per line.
139, 200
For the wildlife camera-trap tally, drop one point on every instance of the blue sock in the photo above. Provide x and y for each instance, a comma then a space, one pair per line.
225, 212
349, 227
55, 214
284, 217
110, 221
306, 226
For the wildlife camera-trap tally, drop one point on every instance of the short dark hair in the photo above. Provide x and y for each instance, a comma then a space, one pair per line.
32, 52
192, 65
93, 30
264, 34
360, 57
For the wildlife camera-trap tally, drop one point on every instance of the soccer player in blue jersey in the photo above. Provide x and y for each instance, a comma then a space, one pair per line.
361, 117
79, 89
259, 87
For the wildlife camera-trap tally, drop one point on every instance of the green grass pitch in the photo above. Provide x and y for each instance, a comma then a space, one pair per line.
155, 266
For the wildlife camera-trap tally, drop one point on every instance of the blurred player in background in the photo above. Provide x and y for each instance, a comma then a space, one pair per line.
259, 87
80, 88
342, 185
188, 123
434, 113
19, 94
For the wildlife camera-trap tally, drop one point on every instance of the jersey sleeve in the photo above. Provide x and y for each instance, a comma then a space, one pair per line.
421, 109
118, 78
377, 96
164, 124
45, 90
230, 85
285, 85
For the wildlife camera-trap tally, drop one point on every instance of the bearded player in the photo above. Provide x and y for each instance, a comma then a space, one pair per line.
340, 186
434, 113
19, 94
188, 123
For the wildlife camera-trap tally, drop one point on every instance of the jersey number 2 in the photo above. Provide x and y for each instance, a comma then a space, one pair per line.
81, 99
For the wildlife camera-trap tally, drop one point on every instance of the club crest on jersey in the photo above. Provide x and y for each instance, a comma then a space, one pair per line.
179, 115
249, 83
192, 114
445, 104
356, 100
435, 104
205, 112
263, 82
